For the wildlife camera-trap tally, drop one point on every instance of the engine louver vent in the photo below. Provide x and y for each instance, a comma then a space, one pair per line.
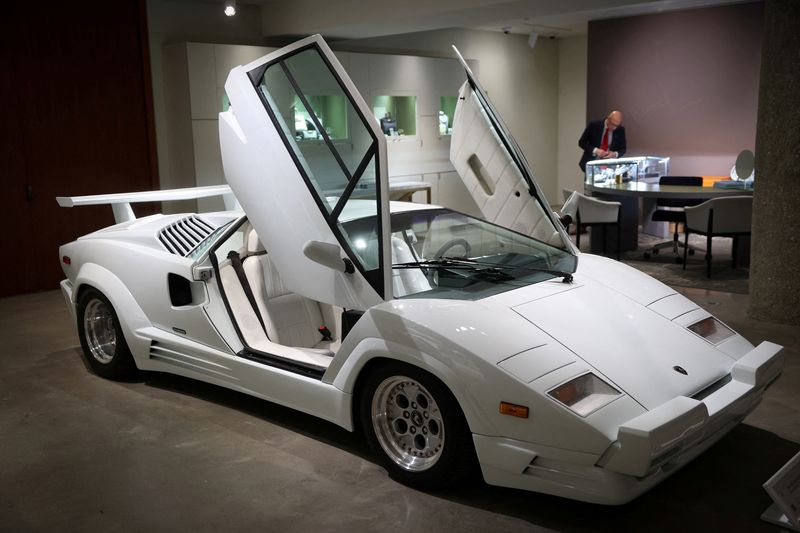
183, 236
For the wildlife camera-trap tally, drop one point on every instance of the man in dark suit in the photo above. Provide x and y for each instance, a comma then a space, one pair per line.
603, 139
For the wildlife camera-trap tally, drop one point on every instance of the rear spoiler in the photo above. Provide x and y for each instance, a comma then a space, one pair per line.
121, 202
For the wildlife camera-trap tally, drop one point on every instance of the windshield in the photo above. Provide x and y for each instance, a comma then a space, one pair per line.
439, 253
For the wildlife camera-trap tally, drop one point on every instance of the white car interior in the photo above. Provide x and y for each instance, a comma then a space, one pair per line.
291, 322
406, 281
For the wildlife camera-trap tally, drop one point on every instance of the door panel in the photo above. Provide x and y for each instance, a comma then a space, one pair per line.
494, 169
307, 162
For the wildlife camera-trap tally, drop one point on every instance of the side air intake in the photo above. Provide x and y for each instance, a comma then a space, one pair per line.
183, 236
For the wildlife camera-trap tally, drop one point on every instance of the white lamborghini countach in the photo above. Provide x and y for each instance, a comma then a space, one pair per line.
452, 342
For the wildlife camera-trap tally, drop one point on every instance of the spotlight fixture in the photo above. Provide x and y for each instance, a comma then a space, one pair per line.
230, 7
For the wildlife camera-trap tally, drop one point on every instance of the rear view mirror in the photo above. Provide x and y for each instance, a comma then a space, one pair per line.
329, 255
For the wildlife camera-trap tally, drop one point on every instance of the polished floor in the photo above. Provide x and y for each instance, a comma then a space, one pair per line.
162, 453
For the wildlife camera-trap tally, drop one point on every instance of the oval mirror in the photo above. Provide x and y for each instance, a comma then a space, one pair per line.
745, 164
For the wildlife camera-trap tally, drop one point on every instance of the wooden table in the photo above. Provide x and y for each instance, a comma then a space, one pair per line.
402, 191
631, 195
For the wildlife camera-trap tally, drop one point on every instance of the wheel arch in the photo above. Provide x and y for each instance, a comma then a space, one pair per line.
373, 352
127, 309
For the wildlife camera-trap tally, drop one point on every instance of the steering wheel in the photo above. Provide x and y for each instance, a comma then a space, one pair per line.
452, 243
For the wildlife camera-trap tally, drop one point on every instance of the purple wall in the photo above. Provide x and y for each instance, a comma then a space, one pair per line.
686, 82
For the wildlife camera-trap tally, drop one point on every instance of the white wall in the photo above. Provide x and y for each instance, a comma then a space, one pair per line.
521, 82
174, 21
572, 53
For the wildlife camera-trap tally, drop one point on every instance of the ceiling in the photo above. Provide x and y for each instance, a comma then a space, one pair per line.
358, 19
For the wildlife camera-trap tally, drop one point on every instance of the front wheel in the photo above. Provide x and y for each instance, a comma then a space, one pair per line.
415, 426
101, 337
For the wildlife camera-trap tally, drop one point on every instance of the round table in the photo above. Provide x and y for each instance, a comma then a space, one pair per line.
639, 197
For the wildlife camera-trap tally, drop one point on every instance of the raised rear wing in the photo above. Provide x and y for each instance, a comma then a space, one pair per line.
121, 202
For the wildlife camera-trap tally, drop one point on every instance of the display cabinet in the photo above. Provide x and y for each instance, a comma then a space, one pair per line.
397, 114
646, 168
447, 110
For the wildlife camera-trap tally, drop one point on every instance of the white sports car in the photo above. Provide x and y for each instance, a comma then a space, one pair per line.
450, 342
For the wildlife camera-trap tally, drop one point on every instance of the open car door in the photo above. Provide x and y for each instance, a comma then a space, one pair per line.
495, 171
302, 153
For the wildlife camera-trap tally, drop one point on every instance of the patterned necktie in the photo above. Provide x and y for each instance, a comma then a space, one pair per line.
604, 144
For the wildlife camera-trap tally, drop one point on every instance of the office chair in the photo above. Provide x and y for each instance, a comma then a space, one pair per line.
729, 216
672, 210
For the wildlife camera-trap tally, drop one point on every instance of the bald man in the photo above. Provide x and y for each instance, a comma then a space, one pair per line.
603, 139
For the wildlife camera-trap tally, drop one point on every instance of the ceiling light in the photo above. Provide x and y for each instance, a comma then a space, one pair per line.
230, 7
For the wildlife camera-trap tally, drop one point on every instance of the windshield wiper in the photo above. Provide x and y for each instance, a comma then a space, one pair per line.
444, 262
486, 272
566, 277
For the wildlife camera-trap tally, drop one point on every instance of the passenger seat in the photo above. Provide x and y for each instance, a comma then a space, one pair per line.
289, 318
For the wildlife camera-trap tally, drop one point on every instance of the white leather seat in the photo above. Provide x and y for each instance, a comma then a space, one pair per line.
591, 210
291, 320
588, 211
729, 216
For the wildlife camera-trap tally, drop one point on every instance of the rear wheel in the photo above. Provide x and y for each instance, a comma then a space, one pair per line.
101, 336
415, 426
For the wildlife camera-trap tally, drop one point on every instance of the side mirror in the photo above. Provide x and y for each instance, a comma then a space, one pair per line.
329, 255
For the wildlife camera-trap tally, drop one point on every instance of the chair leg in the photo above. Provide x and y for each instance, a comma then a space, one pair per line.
675, 238
685, 249
708, 256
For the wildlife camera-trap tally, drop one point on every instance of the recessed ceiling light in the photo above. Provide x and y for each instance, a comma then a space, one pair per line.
230, 7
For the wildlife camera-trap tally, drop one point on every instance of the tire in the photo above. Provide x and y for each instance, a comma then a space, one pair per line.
102, 340
415, 426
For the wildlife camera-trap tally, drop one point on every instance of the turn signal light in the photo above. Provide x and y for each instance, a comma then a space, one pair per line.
66, 260
711, 330
585, 394
513, 410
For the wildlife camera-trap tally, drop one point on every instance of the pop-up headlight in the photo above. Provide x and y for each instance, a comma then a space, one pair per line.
711, 330
585, 394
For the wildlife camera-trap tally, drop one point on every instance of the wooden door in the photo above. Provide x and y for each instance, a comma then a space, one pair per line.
79, 121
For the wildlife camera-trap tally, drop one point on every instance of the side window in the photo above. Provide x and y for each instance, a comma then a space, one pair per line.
235, 242
333, 147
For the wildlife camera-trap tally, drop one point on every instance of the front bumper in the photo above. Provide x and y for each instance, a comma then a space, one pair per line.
648, 448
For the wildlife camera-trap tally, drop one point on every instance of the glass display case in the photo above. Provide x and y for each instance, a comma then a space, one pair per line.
646, 168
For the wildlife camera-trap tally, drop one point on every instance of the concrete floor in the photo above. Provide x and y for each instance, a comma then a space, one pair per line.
163, 453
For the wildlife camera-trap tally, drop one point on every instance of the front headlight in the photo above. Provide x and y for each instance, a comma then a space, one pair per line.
585, 394
711, 330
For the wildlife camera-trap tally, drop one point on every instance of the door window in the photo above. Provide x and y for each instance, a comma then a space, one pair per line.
307, 102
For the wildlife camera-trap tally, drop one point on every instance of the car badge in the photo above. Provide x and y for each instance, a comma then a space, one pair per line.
680, 370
